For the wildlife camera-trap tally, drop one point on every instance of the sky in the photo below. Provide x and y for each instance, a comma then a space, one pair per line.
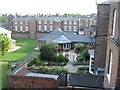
48, 6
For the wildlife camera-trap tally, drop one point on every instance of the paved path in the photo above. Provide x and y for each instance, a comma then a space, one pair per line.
72, 59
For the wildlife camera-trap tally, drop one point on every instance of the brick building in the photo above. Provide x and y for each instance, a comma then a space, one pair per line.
36, 27
101, 38
112, 67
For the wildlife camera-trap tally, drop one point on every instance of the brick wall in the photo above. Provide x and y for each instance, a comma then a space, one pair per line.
114, 46
31, 82
20, 35
101, 35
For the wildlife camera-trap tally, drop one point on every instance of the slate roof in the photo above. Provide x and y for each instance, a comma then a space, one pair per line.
85, 80
6, 25
68, 37
25, 19
55, 18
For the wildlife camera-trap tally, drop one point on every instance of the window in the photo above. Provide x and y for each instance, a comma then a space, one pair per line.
45, 22
51, 28
74, 28
26, 22
26, 28
51, 22
75, 22
39, 22
65, 28
16, 28
20, 22
15, 22
109, 65
21, 28
45, 27
113, 24
65, 22
70, 22
86, 20
39, 27
70, 28
86, 24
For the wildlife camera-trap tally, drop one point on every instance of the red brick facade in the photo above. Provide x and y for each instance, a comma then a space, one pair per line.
112, 65
101, 36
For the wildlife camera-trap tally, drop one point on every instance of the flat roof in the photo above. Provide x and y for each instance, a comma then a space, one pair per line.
49, 76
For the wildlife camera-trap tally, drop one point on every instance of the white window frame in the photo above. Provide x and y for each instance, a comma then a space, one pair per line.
114, 23
70, 28
65, 22
110, 66
74, 28
51, 28
90, 64
51, 22
16, 28
39, 22
26, 22
45, 27
65, 28
39, 27
20, 22
45, 22
15, 22
75, 22
70, 22
21, 28
26, 28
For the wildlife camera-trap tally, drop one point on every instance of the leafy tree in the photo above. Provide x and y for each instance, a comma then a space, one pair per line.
3, 19
5, 44
48, 50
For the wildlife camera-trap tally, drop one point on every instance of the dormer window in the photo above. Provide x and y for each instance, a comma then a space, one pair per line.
113, 24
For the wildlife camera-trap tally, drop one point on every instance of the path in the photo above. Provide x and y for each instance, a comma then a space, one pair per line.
72, 59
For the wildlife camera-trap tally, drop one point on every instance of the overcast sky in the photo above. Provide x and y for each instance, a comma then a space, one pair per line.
48, 6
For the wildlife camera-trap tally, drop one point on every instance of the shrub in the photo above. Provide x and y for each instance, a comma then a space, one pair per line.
46, 52
59, 58
43, 69
58, 70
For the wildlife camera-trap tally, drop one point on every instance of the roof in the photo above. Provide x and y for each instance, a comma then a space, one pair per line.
86, 80
55, 18
60, 36
4, 31
25, 19
48, 76
6, 25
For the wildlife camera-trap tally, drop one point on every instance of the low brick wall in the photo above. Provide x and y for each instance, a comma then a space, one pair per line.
31, 82
20, 35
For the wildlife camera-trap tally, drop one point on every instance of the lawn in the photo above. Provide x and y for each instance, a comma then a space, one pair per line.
4, 71
27, 46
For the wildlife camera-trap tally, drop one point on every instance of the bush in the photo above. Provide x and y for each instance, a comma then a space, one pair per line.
43, 69
58, 70
59, 58
35, 61
83, 70
46, 52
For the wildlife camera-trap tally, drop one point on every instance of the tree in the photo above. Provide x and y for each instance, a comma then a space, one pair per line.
3, 19
48, 50
81, 50
5, 44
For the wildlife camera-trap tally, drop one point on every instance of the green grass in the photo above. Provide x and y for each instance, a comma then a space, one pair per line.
27, 46
4, 71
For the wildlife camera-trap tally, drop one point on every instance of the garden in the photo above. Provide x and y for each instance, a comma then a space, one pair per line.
27, 47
